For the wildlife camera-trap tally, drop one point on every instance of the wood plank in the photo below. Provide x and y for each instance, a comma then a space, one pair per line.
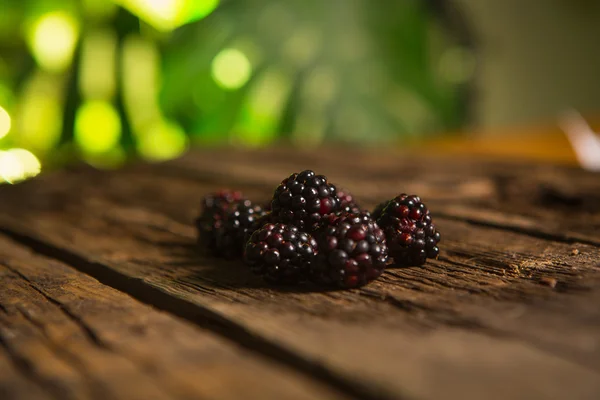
80, 339
464, 325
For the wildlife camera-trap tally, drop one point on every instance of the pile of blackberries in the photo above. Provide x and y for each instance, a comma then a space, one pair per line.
316, 232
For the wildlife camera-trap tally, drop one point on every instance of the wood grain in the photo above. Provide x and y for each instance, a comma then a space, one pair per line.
508, 310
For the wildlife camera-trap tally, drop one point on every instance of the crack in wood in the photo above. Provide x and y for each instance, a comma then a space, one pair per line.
95, 389
565, 238
89, 332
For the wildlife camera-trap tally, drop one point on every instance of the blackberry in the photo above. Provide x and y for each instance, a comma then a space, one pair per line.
303, 199
213, 208
258, 223
280, 253
411, 236
221, 199
352, 250
347, 201
237, 221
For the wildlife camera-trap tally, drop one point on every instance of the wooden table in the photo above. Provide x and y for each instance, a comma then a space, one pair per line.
104, 296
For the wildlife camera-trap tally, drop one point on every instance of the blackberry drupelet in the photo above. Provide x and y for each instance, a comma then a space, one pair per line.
213, 208
352, 251
411, 236
237, 221
280, 253
347, 201
303, 199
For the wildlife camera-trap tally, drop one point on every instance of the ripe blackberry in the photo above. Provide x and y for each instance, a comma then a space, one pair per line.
213, 208
280, 253
237, 220
410, 233
303, 199
352, 250
258, 223
221, 199
347, 201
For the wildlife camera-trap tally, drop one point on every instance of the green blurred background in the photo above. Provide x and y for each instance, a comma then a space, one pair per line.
106, 81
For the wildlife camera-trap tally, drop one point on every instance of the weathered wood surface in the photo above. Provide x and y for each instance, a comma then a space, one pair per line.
511, 309
73, 338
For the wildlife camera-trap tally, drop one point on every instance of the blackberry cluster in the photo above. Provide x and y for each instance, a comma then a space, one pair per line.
313, 231
303, 199
352, 251
213, 208
281, 253
411, 236
237, 221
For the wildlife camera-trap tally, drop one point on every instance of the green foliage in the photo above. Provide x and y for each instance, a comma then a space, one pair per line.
350, 70
104, 79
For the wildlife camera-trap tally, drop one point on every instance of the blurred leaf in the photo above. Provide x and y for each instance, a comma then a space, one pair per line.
357, 71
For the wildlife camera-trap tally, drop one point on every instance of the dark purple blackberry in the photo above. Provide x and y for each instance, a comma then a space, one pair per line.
411, 236
213, 208
237, 220
280, 253
347, 201
221, 199
303, 199
352, 251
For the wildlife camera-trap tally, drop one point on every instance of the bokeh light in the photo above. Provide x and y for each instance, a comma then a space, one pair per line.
17, 165
40, 122
5, 122
38, 118
166, 15
52, 39
97, 77
140, 66
231, 69
260, 116
163, 141
99, 9
97, 127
